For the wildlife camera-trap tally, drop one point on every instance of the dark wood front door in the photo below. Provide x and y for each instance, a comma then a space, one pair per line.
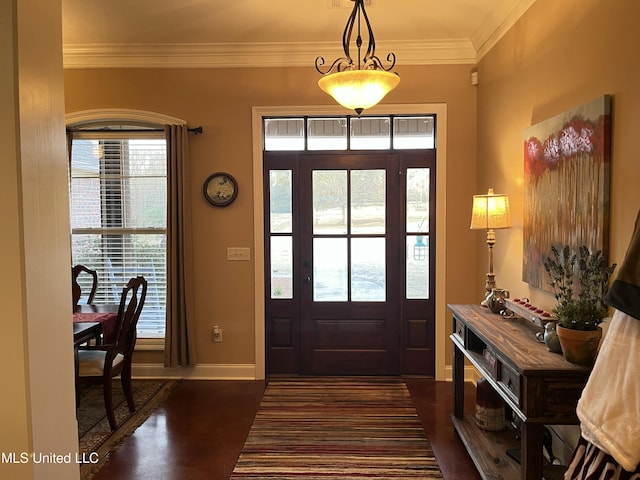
349, 310
347, 266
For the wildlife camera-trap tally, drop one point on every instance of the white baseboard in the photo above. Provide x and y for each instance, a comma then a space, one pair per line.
199, 372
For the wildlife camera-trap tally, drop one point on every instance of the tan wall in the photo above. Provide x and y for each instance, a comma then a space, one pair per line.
559, 55
221, 100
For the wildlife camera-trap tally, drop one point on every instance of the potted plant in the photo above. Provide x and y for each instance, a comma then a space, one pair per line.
580, 308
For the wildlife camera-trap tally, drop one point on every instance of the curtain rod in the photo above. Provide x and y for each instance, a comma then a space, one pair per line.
194, 130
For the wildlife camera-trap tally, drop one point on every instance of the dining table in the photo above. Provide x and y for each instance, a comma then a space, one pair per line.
83, 332
104, 314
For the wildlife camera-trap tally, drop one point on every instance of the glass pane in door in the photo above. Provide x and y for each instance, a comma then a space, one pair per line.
417, 200
368, 275
329, 202
330, 276
281, 266
280, 201
417, 272
368, 191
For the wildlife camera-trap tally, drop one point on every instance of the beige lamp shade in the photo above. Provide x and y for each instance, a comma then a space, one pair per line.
490, 212
359, 89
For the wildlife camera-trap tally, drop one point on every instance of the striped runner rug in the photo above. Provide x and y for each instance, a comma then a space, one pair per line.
346, 428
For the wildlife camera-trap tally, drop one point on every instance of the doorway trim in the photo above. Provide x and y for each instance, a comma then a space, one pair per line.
257, 113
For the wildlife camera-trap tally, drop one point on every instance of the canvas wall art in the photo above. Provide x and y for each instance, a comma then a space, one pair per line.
566, 185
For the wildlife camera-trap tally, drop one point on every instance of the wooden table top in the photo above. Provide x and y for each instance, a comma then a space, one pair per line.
85, 331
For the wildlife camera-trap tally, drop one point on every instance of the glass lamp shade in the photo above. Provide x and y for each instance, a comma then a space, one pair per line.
490, 212
359, 89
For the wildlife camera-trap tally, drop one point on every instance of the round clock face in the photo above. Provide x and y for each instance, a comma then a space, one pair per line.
220, 189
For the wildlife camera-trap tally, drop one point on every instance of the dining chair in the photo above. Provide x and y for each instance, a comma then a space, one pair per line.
76, 271
99, 364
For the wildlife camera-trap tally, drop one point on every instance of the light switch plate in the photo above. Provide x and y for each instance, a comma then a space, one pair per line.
238, 253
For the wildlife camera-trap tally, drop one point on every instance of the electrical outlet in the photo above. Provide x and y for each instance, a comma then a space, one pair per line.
216, 334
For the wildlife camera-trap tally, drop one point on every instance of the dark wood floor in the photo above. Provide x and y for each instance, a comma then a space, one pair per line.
199, 432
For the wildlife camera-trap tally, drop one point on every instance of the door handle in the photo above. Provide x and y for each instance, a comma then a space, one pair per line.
307, 279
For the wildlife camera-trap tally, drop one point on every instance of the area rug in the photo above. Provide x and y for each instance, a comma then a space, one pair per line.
347, 428
95, 437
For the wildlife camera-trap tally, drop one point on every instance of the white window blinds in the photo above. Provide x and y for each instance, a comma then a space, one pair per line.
118, 216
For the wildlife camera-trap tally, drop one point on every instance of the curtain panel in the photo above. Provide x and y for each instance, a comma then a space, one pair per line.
180, 333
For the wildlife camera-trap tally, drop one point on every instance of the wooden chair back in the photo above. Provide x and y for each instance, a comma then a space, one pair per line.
131, 303
76, 290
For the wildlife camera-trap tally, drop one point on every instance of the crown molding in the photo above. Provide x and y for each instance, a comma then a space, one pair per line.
230, 55
488, 35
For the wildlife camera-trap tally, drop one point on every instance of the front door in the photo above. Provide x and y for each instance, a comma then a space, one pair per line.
349, 307
348, 263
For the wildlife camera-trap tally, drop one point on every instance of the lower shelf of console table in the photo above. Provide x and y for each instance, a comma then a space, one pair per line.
488, 450
539, 387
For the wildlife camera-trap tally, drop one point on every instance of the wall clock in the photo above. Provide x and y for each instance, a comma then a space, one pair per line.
220, 189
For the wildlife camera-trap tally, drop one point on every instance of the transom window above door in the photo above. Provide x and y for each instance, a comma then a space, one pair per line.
387, 132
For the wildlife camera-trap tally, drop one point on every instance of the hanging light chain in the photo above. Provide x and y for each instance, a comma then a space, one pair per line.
370, 60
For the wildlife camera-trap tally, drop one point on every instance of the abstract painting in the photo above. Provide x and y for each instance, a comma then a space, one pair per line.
566, 185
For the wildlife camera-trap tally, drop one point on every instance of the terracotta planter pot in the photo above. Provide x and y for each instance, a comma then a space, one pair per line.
579, 346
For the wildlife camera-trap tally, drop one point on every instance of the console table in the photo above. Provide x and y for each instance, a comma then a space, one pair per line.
539, 386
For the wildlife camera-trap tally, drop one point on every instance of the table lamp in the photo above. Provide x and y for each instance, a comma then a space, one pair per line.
490, 212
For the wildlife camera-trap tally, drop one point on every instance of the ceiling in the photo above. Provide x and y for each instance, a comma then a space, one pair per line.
238, 33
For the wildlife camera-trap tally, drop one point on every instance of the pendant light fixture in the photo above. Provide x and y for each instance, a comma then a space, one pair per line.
358, 85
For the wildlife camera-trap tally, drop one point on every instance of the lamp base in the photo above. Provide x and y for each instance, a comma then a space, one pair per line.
488, 288
490, 283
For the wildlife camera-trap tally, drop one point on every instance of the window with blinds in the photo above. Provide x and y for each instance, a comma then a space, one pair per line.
118, 202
